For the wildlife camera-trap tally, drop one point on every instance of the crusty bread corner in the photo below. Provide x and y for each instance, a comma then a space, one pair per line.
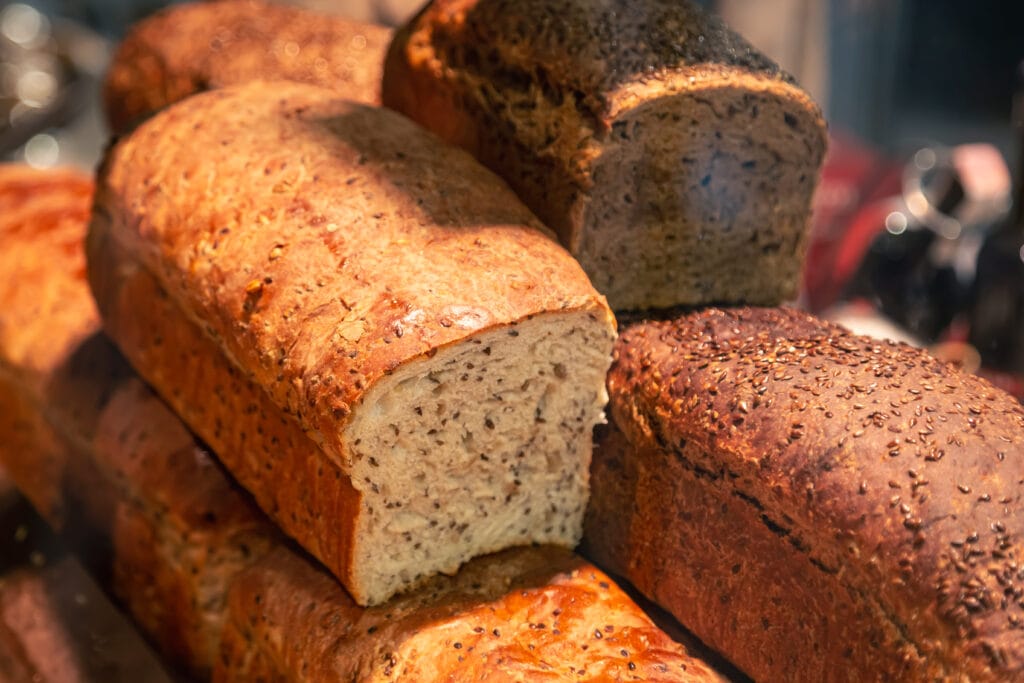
674, 161
386, 304
770, 477
192, 47
525, 614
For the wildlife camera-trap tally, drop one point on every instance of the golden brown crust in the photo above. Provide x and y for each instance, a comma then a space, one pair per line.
248, 239
96, 452
41, 219
308, 496
523, 614
319, 245
193, 47
178, 531
885, 478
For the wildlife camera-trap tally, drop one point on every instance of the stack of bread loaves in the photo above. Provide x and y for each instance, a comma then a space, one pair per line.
376, 339
403, 368
813, 504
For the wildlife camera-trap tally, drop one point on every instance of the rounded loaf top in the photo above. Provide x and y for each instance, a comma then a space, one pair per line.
883, 464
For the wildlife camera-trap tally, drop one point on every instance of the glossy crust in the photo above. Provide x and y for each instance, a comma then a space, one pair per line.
42, 219
320, 245
857, 497
634, 129
192, 47
521, 615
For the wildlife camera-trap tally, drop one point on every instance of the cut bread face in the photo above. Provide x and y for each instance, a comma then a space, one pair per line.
484, 446
716, 209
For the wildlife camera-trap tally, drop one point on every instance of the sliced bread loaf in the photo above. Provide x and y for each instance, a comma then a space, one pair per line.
420, 358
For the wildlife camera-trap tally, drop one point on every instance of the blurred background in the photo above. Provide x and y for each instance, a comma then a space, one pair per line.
916, 234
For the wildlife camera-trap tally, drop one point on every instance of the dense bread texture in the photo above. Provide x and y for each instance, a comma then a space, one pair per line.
522, 615
771, 478
192, 47
98, 454
56, 626
375, 289
675, 162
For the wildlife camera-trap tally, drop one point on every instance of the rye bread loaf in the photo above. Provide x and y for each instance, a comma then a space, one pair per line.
192, 47
522, 615
814, 504
673, 160
429, 361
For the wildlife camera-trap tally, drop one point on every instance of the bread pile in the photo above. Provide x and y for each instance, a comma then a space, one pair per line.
352, 337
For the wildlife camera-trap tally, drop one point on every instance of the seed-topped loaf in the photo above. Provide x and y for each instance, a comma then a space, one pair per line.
405, 335
672, 159
191, 47
815, 504
525, 614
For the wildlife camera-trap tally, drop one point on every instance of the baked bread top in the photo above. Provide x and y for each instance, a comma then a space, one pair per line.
886, 466
192, 47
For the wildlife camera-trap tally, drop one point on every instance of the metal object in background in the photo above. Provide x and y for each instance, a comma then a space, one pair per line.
49, 75
920, 266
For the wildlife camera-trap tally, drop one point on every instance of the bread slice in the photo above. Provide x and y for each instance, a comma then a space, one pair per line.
416, 360
522, 615
673, 160
813, 504
192, 47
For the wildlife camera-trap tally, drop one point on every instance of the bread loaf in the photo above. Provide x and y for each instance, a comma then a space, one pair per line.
382, 293
191, 47
814, 504
180, 533
57, 627
522, 615
42, 215
95, 451
674, 161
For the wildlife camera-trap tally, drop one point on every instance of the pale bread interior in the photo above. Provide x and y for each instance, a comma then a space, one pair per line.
485, 445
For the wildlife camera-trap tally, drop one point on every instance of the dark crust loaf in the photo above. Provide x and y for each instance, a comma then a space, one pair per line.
858, 493
592, 48
523, 614
660, 146
193, 47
